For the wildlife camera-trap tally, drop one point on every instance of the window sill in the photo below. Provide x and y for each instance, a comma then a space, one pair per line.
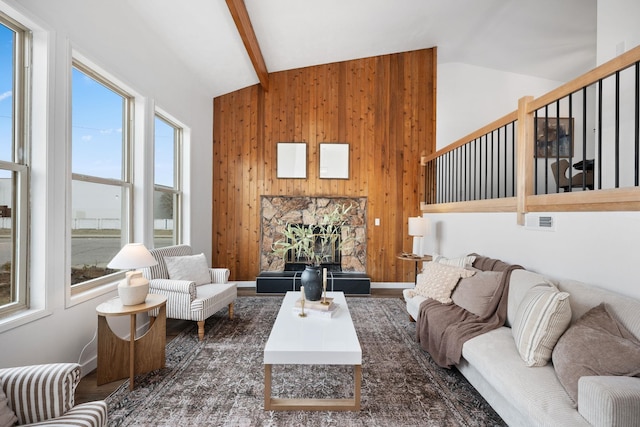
22, 317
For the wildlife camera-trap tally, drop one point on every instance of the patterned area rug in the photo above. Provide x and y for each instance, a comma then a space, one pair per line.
220, 381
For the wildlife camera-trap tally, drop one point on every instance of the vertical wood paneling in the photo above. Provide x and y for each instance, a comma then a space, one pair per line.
384, 107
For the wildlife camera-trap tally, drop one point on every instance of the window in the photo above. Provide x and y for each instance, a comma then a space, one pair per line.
167, 194
101, 176
14, 172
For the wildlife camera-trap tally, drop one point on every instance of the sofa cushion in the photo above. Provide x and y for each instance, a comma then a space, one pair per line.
519, 284
543, 315
191, 267
596, 344
475, 293
535, 393
438, 280
464, 261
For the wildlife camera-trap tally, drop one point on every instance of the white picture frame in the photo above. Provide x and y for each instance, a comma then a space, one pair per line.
334, 160
291, 159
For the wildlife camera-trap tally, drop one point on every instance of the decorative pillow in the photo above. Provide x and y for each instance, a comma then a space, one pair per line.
7, 416
438, 280
596, 344
542, 316
475, 293
464, 261
191, 267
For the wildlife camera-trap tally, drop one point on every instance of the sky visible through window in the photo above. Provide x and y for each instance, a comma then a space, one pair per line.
96, 124
6, 92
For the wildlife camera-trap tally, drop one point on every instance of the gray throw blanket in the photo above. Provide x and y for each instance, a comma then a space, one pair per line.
442, 329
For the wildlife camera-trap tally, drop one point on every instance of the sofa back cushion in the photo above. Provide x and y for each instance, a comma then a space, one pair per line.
584, 297
159, 271
519, 284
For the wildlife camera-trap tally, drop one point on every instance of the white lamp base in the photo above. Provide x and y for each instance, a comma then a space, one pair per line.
417, 245
133, 289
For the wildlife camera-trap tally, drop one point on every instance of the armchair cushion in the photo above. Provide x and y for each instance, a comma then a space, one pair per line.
7, 416
190, 267
44, 394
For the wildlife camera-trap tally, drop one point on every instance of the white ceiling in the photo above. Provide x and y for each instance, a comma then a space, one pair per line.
552, 39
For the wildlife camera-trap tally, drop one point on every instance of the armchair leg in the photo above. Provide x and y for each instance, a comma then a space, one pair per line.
201, 329
230, 310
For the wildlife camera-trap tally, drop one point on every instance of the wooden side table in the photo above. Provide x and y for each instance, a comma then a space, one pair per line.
416, 259
119, 358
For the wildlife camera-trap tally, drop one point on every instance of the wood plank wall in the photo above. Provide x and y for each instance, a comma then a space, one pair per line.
383, 106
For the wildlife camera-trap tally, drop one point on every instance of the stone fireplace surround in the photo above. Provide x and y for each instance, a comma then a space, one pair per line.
276, 211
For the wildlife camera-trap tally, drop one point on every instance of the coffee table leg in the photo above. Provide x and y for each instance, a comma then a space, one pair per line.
267, 387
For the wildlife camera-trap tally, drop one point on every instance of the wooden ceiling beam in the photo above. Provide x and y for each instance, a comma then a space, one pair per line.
243, 23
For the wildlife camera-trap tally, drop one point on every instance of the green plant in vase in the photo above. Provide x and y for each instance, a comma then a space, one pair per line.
312, 243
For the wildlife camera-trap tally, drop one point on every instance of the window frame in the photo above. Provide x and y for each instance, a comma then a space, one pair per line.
19, 167
125, 183
176, 190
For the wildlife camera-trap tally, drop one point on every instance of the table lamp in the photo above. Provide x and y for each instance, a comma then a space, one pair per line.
133, 289
417, 229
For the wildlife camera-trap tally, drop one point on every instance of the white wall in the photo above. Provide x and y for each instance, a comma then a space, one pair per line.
600, 248
57, 327
596, 248
469, 97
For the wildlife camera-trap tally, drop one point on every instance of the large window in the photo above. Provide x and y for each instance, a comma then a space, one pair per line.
101, 181
167, 194
14, 171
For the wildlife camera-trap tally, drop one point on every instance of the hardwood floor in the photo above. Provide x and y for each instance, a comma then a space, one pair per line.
88, 390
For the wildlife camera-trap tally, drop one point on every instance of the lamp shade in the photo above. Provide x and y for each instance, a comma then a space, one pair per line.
417, 226
131, 256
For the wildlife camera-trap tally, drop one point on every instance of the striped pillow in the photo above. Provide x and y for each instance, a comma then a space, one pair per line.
542, 316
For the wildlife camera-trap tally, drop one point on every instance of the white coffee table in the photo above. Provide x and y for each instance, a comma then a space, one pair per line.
312, 340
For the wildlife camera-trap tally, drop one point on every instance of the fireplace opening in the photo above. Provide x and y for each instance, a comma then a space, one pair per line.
330, 252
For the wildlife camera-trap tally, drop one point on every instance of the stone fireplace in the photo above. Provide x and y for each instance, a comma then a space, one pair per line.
331, 253
276, 211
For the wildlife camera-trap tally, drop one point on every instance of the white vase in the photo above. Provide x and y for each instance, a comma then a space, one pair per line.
133, 289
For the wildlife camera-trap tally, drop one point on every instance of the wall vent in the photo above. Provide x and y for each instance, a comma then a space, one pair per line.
545, 221
540, 222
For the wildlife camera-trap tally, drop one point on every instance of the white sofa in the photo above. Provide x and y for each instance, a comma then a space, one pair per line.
186, 299
534, 396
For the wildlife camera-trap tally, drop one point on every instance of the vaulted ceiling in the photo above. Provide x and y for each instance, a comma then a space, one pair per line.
544, 38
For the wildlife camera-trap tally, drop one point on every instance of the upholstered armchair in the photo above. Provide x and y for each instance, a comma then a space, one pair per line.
193, 290
44, 394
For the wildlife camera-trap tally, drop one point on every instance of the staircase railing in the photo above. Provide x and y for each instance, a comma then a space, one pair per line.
575, 148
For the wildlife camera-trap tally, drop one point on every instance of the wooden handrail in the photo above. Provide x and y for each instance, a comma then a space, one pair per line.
605, 70
525, 200
497, 124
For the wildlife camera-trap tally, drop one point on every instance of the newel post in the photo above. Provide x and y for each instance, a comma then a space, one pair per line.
524, 160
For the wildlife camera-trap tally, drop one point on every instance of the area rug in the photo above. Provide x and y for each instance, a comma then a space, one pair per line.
220, 381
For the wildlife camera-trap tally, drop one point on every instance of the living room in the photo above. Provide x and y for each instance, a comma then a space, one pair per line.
595, 247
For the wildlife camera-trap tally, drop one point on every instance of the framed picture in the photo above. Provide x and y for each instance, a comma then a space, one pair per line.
334, 160
291, 160
554, 135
